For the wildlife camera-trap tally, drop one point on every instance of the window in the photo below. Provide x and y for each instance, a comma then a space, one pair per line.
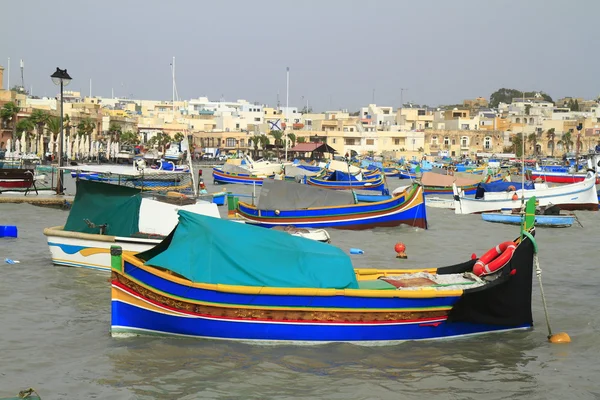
487, 143
396, 141
349, 141
230, 142
464, 141
370, 142
308, 122
420, 112
518, 120
237, 126
256, 119
241, 142
333, 140
446, 141
434, 140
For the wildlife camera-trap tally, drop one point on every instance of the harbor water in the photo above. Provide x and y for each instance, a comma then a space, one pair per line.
55, 328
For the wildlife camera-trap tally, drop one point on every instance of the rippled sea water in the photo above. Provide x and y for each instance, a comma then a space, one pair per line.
54, 329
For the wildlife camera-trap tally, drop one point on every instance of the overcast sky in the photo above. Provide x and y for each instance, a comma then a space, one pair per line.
338, 51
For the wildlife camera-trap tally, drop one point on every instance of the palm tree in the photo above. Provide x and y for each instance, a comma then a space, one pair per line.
264, 142
292, 137
566, 141
26, 125
277, 135
178, 137
532, 139
8, 114
114, 130
301, 139
53, 126
550, 135
517, 141
86, 126
39, 118
255, 141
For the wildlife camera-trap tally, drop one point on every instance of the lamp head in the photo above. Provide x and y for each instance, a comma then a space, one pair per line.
61, 75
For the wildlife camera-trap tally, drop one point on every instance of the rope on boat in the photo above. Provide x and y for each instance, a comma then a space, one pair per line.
560, 337
28, 393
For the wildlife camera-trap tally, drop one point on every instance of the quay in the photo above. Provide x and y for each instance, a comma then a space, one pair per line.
38, 200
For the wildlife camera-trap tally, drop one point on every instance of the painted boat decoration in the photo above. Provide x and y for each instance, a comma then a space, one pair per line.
309, 294
574, 196
304, 206
555, 221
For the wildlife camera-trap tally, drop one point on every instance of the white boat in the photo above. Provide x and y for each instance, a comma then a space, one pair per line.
152, 155
576, 196
439, 202
173, 153
125, 155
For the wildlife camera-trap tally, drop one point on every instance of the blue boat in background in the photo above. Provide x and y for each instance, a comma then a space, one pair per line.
554, 221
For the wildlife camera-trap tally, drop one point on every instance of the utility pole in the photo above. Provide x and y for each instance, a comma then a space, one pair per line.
287, 110
402, 97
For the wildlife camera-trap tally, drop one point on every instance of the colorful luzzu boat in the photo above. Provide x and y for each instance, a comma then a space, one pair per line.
220, 176
371, 182
289, 203
274, 288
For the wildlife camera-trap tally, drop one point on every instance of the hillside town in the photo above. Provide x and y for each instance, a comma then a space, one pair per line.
221, 129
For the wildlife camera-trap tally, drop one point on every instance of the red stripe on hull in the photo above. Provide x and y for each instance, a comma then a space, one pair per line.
14, 184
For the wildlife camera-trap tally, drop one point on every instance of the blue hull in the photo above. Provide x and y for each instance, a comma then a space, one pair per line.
129, 318
540, 220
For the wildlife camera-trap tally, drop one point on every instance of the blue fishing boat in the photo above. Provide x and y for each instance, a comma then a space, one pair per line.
272, 287
286, 203
342, 181
554, 221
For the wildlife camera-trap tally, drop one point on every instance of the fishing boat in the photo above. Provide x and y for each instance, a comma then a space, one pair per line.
303, 206
558, 177
224, 177
271, 287
574, 196
438, 184
554, 221
439, 202
104, 214
342, 181
246, 171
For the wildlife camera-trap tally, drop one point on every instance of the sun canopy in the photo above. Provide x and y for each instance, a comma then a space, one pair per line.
210, 250
286, 195
433, 179
102, 203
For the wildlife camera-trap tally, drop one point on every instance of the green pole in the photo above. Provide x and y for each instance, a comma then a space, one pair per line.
116, 258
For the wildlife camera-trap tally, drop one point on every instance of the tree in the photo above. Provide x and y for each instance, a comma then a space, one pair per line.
277, 135
505, 95
130, 137
39, 119
517, 141
566, 141
292, 137
86, 126
114, 130
163, 140
8, 114
575, 105
550, 135
264, 142
27, 126
301, 139
178, 137
532, 139
255, 141
527, 109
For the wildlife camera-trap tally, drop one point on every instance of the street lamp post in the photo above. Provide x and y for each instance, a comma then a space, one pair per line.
61, 78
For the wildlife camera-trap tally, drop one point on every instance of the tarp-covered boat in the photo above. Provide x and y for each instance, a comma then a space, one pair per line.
304, 206
274, 287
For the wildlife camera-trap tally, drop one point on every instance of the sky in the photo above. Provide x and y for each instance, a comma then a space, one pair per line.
342, 54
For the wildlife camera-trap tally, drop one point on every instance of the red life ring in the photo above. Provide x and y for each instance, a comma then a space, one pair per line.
496, 258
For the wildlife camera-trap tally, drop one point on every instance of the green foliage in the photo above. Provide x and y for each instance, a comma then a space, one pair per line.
551, 136
178, 137
53, 125
567, 141
8, 114
130, 137
292, 137
301, 139
527, 109
86, 126
277, 135
505, 95
114, 130
517, 141
25, 125
573, 105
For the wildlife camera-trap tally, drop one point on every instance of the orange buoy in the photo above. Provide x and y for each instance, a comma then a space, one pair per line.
515, 197
400, 249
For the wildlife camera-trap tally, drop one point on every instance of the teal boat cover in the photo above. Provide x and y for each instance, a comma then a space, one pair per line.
212, 250
103, 203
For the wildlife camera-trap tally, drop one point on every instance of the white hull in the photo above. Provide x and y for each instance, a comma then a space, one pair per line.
88, 250
575, 196
438, 202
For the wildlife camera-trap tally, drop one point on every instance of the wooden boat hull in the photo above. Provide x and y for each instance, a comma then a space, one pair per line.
242, 179
408, 208
148, 301
555, 221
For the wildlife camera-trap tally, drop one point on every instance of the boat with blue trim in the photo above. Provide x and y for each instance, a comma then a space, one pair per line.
304, 206
276, 288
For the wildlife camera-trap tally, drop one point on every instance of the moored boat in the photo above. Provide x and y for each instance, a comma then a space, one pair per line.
554, 221
276, 288
304, 206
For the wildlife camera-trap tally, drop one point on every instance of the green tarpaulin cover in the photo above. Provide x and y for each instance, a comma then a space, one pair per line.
104, 203
211, 250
